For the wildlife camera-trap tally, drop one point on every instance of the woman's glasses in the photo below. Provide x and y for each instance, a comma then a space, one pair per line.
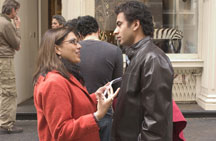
72, 41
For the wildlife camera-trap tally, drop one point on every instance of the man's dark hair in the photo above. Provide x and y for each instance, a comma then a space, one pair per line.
61, 20
8, 5
135, 10
87, 25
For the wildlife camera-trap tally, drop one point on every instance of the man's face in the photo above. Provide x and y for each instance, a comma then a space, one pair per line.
14, 13
123, 31
55, 24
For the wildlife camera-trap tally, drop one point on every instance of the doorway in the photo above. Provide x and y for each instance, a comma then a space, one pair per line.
54, 8
36, 16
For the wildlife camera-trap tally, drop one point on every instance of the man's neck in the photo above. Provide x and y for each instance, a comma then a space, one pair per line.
92, 36
9, 16
139, 36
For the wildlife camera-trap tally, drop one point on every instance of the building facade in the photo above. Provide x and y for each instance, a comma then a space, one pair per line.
192, 53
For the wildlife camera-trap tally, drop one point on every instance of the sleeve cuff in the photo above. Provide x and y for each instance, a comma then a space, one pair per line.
95, 118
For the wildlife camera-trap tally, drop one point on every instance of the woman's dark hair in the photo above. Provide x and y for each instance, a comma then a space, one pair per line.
61, 20
87, 25
135, 10
72, 24
8, 5
47, 59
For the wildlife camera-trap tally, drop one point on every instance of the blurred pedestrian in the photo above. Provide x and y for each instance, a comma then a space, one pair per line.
58, 21
9, 43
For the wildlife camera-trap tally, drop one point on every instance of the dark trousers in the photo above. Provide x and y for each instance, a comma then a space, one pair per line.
105, 125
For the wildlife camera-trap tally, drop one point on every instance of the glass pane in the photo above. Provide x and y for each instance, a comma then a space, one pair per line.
187, 5
179, 17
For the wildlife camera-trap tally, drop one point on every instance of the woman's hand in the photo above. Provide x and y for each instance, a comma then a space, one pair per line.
104, 102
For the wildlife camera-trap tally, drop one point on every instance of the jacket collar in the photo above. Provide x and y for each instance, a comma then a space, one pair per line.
91, 38
74, 81
6, 17
78, 84
131, 51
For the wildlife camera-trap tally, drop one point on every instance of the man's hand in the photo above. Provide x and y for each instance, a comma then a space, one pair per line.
17, 22
18, 48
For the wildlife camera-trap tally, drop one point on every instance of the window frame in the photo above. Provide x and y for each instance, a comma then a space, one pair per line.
178, 60
194, 59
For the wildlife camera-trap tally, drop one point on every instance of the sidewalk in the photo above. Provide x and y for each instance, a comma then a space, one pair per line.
27, 111
200, 123
200, 129
29, 132
195, 111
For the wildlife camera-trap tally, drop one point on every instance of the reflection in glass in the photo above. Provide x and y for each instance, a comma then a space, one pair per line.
176, 15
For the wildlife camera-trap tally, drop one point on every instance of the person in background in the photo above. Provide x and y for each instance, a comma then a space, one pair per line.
144, 105
9, 44
100, 63
65, 110
58, 21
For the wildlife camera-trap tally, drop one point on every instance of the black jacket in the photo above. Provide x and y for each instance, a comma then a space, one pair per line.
144, 106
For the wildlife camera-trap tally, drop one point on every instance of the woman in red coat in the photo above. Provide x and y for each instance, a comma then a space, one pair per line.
65, 110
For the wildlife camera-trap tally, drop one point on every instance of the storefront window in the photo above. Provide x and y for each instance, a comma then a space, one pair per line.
175, 21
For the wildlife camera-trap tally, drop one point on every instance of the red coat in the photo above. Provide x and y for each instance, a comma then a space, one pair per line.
179, 123
64, 109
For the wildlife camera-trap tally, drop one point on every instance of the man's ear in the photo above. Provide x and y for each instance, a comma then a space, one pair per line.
58, 50
136, 24
98, 31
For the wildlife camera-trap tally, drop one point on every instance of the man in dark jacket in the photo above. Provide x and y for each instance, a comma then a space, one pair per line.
144, 106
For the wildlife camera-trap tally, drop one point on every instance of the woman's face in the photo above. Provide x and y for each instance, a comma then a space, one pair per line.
69, 49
